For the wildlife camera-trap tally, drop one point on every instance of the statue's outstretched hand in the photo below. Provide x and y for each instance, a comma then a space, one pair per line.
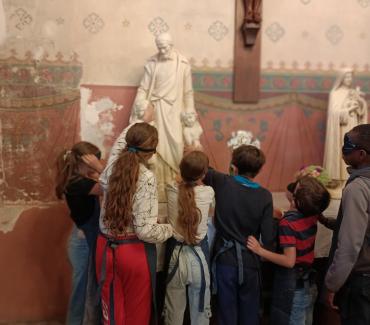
192, 148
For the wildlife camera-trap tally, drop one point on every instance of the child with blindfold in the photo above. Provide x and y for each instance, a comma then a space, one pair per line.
77, 176
129, 229
348, 275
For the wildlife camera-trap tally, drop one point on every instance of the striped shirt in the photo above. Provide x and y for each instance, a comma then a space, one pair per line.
298, 231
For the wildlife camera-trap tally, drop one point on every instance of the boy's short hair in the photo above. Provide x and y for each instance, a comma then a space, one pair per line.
310, 196
291, 187
362, 136
248, 159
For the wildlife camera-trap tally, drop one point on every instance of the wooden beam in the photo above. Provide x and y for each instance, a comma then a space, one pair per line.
247, 62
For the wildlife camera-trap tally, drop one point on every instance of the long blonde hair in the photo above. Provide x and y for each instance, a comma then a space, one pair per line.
142, 140
192, 168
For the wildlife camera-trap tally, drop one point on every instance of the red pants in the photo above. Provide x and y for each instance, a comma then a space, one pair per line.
132, 291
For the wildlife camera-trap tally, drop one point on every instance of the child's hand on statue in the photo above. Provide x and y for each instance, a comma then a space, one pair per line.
178, 178
191, 148
148, 115
162, 219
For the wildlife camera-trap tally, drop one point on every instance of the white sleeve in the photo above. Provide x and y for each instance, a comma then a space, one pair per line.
119, 144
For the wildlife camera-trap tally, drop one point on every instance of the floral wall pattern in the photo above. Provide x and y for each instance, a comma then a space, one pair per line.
114, 38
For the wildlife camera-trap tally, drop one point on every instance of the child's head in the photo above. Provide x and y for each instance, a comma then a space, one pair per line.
142, 140
193, 167
248, 160
356, 147
70, 164
310, 196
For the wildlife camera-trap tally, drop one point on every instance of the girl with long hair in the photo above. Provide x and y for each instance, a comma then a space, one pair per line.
77, 175
126, 254
188, 252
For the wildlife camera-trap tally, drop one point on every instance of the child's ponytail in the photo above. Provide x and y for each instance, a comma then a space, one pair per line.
122, 187
142, 140
192, 167
189, 214
66, 164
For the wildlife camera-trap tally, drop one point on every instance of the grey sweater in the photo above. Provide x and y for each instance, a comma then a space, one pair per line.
351, 241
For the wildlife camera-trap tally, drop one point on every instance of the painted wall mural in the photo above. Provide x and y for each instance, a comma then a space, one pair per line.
39, 115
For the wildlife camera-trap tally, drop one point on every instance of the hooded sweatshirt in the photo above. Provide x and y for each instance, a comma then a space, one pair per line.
350, 251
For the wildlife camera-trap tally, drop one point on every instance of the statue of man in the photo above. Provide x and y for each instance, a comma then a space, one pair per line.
166, 90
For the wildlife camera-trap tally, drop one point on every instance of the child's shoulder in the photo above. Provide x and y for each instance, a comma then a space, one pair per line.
290, 217
358, 184
205, 191
80, 185
265, 192
145, 174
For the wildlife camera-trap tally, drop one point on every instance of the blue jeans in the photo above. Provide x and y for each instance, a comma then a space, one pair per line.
237, 304
282, 295
78, 253
187, 280
303, 303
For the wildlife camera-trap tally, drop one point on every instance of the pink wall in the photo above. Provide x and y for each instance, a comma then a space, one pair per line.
35, 273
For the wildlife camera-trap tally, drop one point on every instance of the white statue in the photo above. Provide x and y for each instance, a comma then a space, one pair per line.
347, 108
166, 88
241, 137
192, 129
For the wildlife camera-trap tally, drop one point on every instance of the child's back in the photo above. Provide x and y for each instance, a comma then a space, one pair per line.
204, 196
243, 208
187, 252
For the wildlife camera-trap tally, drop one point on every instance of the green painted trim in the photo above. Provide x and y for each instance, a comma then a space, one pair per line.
276, 82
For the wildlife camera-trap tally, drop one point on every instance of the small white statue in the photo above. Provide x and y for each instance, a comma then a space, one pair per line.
192, 129
347, 108
241, 137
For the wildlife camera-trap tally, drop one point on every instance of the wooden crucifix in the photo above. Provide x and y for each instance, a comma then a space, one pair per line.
247, 58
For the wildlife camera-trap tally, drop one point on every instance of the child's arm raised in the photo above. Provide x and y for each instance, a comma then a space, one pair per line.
287, 259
